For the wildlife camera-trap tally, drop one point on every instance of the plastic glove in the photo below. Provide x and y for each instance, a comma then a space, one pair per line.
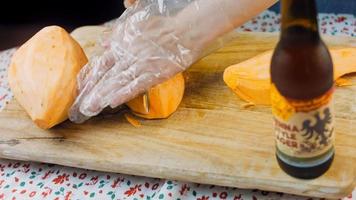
129, 3
152, 41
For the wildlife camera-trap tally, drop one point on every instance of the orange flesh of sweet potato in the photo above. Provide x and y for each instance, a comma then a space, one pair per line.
42, 75
164, 99
250, 79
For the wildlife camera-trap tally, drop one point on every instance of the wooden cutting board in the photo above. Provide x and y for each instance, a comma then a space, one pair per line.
211, 139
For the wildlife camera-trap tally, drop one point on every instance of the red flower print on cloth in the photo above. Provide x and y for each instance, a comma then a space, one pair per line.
47, 174
223, 195
61, 179
2, 166
47, 191
93, 181
117, 182
67, 197
133, 190
340, 19
203, 198
184, 189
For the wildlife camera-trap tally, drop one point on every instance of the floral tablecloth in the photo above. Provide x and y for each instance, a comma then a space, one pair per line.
27, 180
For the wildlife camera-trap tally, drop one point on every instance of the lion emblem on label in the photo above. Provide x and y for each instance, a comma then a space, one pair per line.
319, 129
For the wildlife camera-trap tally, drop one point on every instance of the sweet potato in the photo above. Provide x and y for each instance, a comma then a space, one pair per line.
250, 79
163, 99
42, 75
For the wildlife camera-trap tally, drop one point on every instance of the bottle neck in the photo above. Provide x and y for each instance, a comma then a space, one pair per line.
299, 14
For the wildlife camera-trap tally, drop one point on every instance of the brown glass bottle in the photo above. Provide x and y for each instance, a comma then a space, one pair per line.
302, 88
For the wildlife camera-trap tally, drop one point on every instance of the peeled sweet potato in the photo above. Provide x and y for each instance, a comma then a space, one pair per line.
250, 79
163, 99
42, 75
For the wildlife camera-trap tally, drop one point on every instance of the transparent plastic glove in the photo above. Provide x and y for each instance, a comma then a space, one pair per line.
129, 3
152, 41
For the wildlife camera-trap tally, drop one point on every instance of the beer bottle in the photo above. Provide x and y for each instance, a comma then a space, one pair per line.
301, 93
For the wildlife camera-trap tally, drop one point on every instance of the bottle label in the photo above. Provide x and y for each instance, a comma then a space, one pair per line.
303, 128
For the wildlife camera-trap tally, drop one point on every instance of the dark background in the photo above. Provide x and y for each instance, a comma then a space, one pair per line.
19, 20
331, 6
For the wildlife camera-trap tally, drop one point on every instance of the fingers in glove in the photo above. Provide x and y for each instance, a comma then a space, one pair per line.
115, 78
119, 85
101, 95
95, 69
87, 78
130, 91
118, 94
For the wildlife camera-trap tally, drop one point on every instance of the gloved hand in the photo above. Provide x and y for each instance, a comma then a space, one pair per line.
128, 3
152, 41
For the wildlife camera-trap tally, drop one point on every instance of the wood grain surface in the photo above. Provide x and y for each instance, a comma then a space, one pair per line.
211, 139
